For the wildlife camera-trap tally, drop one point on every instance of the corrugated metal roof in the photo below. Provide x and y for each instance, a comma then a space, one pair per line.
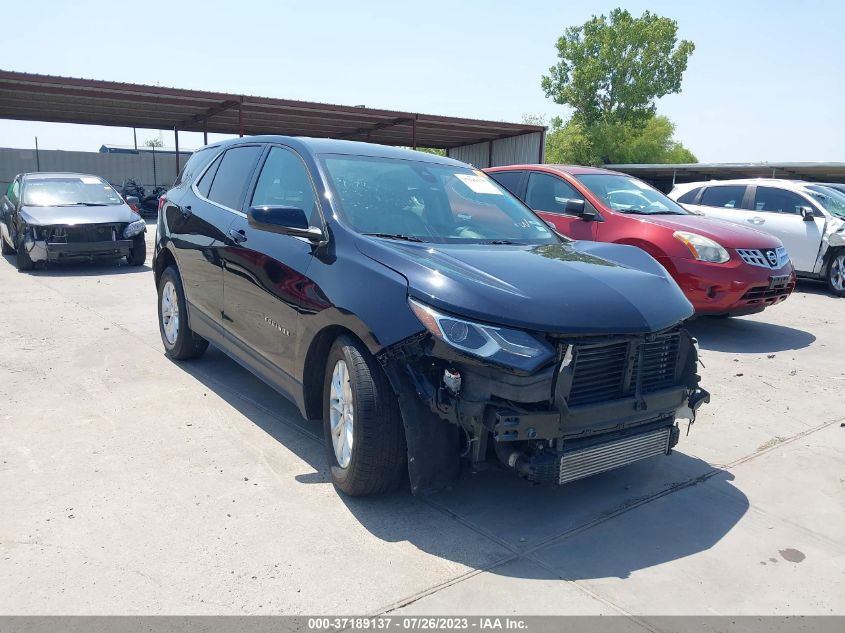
31, 97
703, 171
664, 177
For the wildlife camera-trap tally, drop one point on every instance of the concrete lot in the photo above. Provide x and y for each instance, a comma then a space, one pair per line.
133, 485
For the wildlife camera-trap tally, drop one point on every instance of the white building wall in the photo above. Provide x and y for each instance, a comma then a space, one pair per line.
476, 155
113, 167
514, 150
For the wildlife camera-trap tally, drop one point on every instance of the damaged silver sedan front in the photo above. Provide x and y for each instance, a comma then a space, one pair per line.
51, 217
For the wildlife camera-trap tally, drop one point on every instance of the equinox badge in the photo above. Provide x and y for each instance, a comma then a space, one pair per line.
275, 325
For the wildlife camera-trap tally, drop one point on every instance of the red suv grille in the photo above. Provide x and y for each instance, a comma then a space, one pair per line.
766, 295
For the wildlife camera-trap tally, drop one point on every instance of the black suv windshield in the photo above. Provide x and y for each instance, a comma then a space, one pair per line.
629, 195
429, 202
69, 191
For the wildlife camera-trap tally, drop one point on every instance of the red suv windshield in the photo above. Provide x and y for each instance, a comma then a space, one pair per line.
626, 194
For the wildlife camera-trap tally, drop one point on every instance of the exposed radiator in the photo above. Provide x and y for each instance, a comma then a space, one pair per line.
598, 459
601, 372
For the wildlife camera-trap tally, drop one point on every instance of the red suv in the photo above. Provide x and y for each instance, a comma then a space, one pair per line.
723, 269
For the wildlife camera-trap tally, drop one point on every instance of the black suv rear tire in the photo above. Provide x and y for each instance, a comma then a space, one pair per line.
378, 460
180, 342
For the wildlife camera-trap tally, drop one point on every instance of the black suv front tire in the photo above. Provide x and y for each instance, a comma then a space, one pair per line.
359, 403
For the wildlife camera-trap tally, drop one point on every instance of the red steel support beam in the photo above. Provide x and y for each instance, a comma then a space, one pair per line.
176, 139
241, 117
414, 133
542, 146
374, 128
210, 112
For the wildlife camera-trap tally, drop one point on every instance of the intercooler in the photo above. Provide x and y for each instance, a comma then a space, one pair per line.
583, 458
597, 459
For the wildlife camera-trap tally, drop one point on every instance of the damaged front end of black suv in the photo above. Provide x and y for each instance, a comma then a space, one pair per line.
557, 405
601, 403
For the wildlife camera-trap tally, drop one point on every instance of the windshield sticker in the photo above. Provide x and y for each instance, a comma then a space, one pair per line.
479, 184
90, 180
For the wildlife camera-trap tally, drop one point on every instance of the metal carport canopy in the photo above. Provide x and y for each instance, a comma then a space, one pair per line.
664, 176
31, 97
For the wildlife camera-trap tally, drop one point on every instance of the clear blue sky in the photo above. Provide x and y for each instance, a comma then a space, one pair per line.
766, 82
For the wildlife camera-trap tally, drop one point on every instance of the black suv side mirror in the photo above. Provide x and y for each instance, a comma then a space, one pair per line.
576, 206
130, 200
807, 214
284, 220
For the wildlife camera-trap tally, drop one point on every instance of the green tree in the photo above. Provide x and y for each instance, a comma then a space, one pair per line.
154, 143
575, 143
432, 150
610, 70
653, 143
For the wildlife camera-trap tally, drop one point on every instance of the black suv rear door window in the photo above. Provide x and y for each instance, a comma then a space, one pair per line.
284, 181
204, 184
549, 193
195, 164
233, 175
725, 196
778, 200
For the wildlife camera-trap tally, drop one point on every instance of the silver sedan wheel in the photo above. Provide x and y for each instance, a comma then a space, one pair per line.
170, 312
342, 415
837, 273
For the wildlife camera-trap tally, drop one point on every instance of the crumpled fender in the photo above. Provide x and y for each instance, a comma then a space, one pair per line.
36, 249
433, 444
831, 238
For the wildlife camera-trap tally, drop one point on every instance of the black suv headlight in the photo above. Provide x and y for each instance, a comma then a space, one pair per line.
502, 345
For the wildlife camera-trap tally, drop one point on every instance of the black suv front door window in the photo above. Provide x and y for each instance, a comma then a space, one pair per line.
284, 181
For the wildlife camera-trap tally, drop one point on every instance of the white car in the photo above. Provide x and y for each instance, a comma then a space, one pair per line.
808, 218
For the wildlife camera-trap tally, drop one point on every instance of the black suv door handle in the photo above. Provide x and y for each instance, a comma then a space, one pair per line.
238, 236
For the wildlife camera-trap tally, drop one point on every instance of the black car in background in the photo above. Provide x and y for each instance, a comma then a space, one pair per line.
422, 313
46, 217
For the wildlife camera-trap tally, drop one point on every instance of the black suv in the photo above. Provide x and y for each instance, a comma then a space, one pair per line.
422, 312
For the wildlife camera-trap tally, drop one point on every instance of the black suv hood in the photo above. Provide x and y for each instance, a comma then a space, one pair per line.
569, 288
70, 215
